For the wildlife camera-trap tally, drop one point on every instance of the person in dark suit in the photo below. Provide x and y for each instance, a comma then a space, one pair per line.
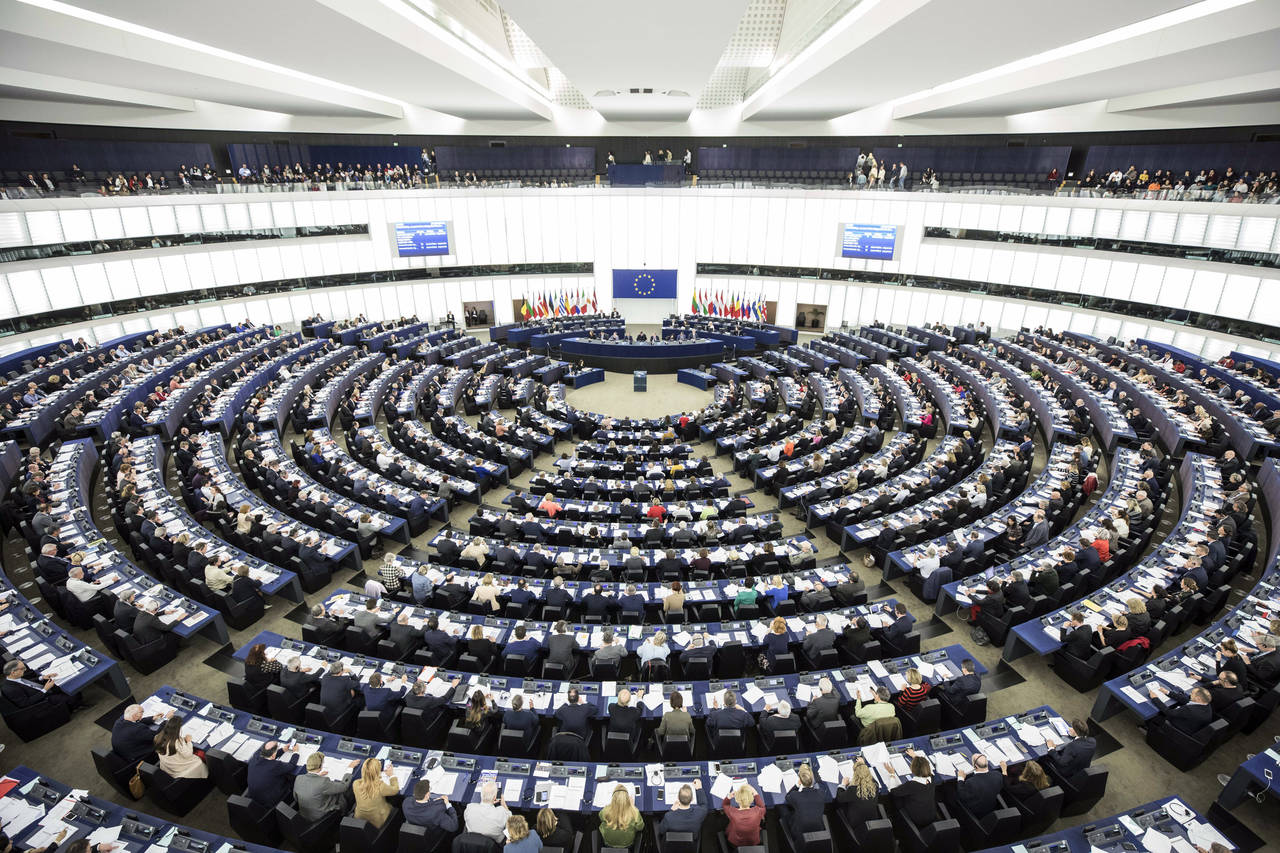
51, 567
123, 612
958, 690
773, 720
1189, 713
575, 715
1087, 557
270, 776
418, 698
522, 644
1077, 639
980, 790
245, 588
1073, 756
438, 643
562, 647
819, 639
148, 627
557, 595
896, 632
824, 707
1016, 591
338, 690
437, 815
132, 737
806, 804
624, 717
327, 630
296, 681
727, 715
859, 794
991, 602
1044, 581
521, 719
916, 797
687, 813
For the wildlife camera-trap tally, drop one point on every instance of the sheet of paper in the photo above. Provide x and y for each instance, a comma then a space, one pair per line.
770, 779
513, 789
828, 769
1156, 842
721, 787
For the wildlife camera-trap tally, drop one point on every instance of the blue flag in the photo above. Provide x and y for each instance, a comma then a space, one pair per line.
644, 284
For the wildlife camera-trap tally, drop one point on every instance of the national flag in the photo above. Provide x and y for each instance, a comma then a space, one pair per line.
564, 304
595, 309
733, 308
524, 309
693, 309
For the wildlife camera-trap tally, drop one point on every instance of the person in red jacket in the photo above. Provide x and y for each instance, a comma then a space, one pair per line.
745, 813
656, 511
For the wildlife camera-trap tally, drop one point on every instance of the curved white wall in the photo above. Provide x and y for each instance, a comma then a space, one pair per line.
676, 228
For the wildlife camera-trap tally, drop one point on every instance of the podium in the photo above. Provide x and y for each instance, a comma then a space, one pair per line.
640, 380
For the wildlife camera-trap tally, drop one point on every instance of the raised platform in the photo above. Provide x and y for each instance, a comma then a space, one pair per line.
651, 356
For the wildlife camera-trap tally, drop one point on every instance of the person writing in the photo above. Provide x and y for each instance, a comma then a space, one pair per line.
687, 813
858, 795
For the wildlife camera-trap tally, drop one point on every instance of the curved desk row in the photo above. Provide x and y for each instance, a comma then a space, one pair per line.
653, 356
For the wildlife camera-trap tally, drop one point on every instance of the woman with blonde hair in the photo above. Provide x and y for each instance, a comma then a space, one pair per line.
244, 521
745, 812
858, 795
915, 691
620, 820
371, 793
476, 550
553, 831
521, 839
776, 642
1139, 618
486, 593
1032, 779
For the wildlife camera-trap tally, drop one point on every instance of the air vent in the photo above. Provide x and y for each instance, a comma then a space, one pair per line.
497, 143
1016, 143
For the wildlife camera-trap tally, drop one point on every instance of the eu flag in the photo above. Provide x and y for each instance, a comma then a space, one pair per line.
644, 284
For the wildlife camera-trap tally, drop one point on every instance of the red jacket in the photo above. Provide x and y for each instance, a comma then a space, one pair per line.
744, 824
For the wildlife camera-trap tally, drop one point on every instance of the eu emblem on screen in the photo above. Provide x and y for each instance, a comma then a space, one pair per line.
644, 284
415, 239
871, 242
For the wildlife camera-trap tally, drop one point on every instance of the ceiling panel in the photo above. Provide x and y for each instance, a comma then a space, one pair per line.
949, 39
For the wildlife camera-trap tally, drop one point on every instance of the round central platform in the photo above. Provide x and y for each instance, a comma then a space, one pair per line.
614, 396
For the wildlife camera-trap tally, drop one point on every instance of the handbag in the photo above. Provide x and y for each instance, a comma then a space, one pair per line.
136, 786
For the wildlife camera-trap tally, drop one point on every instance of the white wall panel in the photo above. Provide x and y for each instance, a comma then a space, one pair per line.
106, 223
1239, 294
190, 220
77, 225
136, 222
1204, 293
43, 227
213, 217
1256, 233
150, 278
91, 279
60, 285
162, 219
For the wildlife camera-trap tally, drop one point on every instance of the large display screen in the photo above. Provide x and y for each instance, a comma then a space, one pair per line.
872, 242
415, 239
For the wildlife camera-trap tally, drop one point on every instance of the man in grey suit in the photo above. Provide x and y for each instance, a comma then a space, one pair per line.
297, 681
318, 795
370, 620
1038, 534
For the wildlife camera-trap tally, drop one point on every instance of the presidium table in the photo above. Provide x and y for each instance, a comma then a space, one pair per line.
651, 356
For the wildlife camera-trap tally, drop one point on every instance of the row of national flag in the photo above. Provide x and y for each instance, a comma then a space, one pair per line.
566, 303
737, 306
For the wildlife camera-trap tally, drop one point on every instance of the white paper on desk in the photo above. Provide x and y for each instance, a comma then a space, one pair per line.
721, 787
1156, 842
652, 699
877, 668
1010, 749
47, 832
898, 761
828, 769
770, 779
942, 764
897, 682
220, 733
513, 789
682, 638
18, 814
790, 779
752, 693
1131, 826
104, 834
1134, 694
1181, 845
714, 699
803, 692
876, 754
926, 669
1031, 736
246, 750
1204, 835
198, 728
153, 705
604, 792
